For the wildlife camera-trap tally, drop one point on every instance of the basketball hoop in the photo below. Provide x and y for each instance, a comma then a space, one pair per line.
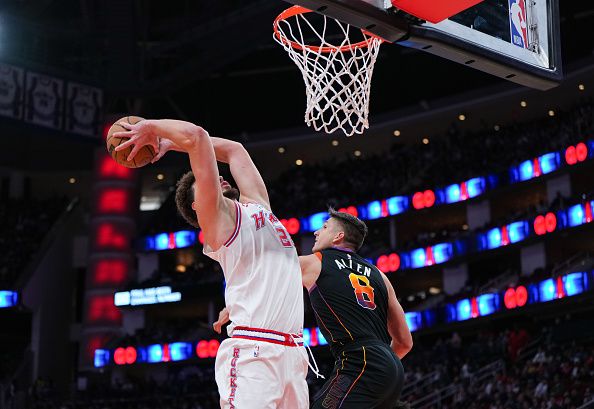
337, 76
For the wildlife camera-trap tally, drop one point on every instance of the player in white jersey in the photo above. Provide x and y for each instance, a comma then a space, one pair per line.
263, 364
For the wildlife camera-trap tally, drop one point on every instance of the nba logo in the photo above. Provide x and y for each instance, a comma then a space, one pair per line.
517, 22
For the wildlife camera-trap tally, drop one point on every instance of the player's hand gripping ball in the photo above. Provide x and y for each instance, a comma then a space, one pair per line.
143, 157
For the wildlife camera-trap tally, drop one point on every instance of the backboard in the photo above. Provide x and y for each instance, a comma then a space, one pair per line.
517, 40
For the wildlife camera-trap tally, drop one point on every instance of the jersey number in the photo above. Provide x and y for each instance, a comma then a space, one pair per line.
363, 291
282, 235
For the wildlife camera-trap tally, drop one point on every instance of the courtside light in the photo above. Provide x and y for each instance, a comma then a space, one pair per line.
162, 241
581, 151
550, 222
202, 349
180, 351
487, 304
521, 296
526, 170
463, 310
418, 258
155, 353
130, 355
576, 215
321, 338
442, 252
119, 356
393, 262
494, 238
418, 201
453, 193
574, 283
517, 231
413, 320
549, 162
184, 238
8, 299
397, 204
475, 186
382, 263
316, 221
547, 290
539, 225
374, 210
571, 155
509, 298
292, 225
213, 348
307, 337
429, 198
101, 358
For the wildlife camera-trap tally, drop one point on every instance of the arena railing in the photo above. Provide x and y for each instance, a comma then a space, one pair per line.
435, 399
423, 382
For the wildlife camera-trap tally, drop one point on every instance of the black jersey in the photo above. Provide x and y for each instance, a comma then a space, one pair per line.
350, 300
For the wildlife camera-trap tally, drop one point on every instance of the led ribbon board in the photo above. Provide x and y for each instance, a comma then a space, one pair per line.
146, 296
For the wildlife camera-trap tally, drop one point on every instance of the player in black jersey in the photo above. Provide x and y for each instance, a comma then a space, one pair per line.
360, 317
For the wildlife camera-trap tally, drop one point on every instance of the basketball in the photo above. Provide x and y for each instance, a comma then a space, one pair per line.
142, 158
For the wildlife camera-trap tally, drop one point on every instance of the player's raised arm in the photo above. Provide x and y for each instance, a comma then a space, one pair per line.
246, 175
402, 341
216, 214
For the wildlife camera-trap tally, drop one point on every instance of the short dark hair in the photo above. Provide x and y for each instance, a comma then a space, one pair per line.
184, 197
355, 230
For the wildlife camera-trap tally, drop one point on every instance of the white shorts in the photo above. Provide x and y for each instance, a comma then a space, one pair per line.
254, 374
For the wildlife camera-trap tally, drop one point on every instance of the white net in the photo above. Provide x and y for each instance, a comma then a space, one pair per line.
337, 76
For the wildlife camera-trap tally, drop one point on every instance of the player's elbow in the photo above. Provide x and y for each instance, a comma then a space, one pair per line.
407, 344
192, 135
404, 343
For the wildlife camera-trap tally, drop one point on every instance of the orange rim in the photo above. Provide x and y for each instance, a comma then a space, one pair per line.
297, 10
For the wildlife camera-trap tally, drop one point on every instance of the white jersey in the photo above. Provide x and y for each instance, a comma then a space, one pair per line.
262, 273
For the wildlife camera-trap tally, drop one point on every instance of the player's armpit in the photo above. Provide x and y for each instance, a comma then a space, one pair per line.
311, 266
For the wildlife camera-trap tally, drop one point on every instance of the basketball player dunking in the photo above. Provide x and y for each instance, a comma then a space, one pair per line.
262, 364
359, 315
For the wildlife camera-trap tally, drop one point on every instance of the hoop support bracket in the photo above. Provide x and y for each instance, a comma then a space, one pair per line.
385, 25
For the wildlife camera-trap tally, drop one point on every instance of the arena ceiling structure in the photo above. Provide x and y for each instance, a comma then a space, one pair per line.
215, 63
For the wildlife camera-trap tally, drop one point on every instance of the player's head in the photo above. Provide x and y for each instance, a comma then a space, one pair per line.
340, 230
185, 196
